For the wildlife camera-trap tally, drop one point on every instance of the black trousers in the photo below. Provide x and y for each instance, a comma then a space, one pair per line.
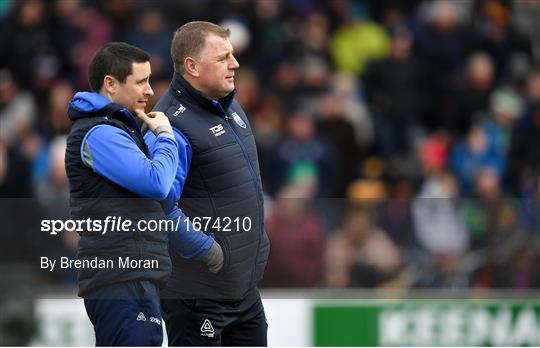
198, 322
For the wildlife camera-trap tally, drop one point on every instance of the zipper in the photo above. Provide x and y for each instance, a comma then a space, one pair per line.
259, 198
251, 169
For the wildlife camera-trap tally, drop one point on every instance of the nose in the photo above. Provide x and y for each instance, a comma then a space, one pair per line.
234, 63
149, 91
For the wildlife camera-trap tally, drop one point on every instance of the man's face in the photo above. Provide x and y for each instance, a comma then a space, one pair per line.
135, 92
216, 67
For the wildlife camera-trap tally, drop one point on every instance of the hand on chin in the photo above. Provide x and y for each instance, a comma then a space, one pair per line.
137, 110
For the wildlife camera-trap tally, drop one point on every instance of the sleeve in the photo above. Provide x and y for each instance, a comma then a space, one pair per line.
185, 240
184, 160
113, 154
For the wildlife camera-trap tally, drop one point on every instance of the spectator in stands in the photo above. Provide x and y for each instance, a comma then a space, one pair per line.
493, 34
18, 110
394, 87
485, 211
473, 153
302, 146
297, 232
437, 216
334, 127
438, 46
524, 153
154, 35
360, 253
26, 37
472, 95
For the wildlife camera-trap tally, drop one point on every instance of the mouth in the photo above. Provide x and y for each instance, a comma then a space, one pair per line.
231, 78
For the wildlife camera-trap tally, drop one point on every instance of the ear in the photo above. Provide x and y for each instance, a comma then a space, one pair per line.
191, 67
110, 84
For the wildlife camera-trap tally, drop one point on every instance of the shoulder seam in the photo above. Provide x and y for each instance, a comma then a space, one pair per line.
86, 155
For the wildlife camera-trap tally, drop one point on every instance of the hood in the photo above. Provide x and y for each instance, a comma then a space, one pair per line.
91, 104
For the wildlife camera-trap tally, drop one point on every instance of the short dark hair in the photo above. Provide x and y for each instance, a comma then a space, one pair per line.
115, 59
188, 41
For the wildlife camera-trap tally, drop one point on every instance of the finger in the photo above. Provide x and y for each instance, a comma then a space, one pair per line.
140, 114
153, 114
139, 111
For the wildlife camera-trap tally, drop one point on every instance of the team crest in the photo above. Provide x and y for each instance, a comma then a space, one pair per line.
238, 120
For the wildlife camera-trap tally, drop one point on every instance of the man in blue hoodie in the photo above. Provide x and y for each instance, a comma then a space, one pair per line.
112, 173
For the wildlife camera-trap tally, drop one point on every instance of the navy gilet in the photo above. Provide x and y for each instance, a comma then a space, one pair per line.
93, 196
223, 183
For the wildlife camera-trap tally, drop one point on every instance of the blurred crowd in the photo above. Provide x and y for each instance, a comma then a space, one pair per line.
399, 141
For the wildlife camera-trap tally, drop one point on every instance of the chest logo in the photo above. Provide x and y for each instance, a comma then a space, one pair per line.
180, 110
238, 120
207, 329
217, 130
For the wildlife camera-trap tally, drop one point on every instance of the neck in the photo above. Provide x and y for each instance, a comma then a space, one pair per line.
195, 84
105, 94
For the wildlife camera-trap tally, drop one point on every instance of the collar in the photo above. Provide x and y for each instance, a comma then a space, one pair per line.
92, 104
220, 106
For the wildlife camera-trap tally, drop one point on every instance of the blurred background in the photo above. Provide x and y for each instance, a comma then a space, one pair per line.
399, 141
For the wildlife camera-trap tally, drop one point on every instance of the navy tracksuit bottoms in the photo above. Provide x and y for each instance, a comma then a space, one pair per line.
126, 314
205, 322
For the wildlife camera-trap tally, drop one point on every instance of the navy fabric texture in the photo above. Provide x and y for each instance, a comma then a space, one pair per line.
187, 241
126, 314
216, 323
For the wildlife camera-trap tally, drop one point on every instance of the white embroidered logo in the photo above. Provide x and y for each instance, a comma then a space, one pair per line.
207, 329
180, 110
155, 320
217, 130
141, 317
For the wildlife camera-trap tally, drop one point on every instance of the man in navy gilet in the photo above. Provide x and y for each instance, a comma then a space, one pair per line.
113, 174
219, 183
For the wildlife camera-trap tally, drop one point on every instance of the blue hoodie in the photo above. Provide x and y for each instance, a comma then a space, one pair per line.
113, 154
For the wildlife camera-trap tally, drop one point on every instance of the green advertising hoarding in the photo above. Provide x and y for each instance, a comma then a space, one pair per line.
427, 323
